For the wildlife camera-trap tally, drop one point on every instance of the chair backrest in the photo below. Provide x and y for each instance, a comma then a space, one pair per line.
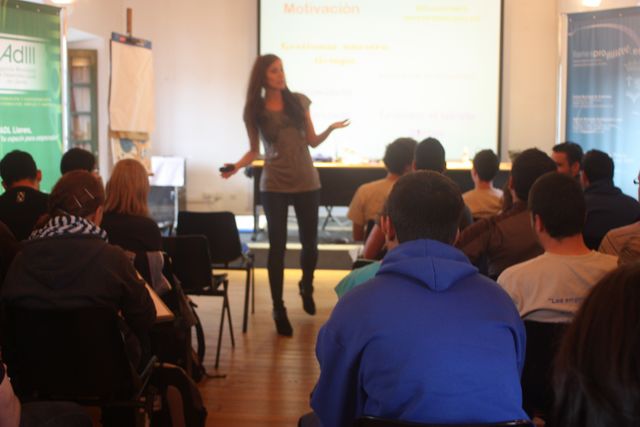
381, 422
543, 340
190, 260
220, 229
74, 354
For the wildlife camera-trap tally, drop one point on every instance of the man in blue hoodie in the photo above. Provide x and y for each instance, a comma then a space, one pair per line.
428, 339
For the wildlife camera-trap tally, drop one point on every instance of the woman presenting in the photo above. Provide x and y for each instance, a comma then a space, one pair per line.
282, 120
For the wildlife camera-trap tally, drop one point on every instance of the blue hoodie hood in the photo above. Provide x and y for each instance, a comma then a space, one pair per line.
434, 264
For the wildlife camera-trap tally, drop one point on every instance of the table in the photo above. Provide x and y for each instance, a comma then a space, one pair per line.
340, 181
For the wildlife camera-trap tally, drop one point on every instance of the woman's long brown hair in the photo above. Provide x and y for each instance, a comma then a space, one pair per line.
254, 103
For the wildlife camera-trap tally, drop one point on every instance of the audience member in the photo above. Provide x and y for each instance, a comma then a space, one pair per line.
596, 370
568, 158
429, 156
484, 200
22, 203
67, 262
623, 242
550, 287
9, 247
508, 238
441, 344
607, 206
369, 198
126, 218
77, 159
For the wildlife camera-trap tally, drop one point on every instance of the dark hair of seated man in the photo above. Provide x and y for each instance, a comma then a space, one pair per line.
398, 155
528, 167
597, 166
18, 166
410, 207
77, 159
486, 165
568, 158
559, 202
430, 155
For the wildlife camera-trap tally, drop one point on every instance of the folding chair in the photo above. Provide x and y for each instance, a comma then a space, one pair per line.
224, 246
74, 355
543, 340
192, 265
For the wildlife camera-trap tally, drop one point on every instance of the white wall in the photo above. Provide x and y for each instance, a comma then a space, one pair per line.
203, 51
529, 75
90, 24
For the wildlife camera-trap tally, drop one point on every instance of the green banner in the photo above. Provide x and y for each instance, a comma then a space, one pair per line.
31, 85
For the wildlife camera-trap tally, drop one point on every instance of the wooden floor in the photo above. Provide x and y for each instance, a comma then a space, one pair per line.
268, 377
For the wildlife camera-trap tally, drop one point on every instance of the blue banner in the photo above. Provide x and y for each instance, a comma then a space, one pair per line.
603, 88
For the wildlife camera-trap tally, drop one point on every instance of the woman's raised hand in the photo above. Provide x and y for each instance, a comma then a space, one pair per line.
340, 125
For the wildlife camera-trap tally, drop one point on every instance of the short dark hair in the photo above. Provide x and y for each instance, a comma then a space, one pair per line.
430, 156
399, 154
425, 205
601, 385
526, 168
77, 159
597, 166
559, 202
486, 164
16, 166
572, 150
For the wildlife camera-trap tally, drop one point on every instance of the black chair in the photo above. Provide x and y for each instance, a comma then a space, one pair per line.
381, 422
543, 340
74, 355
224, 246
192, 265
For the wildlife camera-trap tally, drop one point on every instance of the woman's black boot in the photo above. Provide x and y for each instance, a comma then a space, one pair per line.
308, 304
283, 326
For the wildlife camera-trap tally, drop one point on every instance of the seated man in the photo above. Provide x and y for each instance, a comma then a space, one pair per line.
551, 287
607, 206
22, 204
429, 156
428, 339
484, 200
77, 159
623, 242
507, 239
369, 198
568, 158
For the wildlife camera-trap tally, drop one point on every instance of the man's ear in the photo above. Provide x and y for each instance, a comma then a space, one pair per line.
387, 228
574, 168
38, 176
537, 224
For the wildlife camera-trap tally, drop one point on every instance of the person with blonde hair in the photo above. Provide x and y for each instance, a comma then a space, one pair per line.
126, 218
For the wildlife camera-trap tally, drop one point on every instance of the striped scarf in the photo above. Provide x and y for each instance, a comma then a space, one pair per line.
67, 225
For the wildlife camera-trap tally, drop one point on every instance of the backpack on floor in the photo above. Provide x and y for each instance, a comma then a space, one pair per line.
194, 414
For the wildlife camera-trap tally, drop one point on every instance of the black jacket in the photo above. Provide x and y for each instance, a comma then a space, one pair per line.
75, 271
607, 208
